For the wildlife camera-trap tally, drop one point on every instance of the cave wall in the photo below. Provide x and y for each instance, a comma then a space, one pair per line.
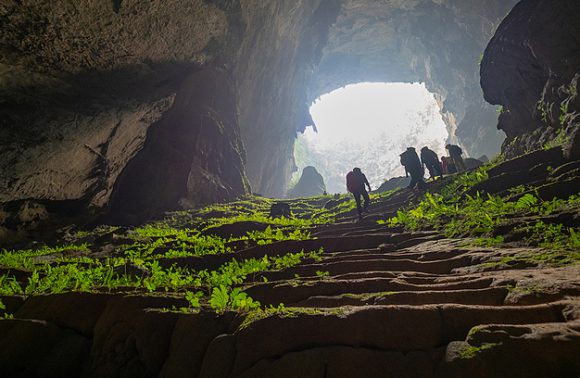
94, 94
281, 47
436, 42
531, 67
192, 156
82, 83
292, 54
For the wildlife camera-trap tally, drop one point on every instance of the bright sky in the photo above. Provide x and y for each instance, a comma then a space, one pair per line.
368, 125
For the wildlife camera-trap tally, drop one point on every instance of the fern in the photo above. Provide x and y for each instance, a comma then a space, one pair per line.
526, 201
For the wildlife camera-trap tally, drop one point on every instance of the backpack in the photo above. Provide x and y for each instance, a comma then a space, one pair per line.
455, 151
352, 182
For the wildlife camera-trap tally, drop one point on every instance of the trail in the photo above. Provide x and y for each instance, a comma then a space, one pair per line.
378, 301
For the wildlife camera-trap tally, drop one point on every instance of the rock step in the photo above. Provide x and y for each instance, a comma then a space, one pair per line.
379, 253
484, 297
382, 274
383, 328
386, 265
347, 228
294, 292
339, 361
328, 244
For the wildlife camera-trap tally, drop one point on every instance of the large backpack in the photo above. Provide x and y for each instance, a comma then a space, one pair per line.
455, 150
352, 182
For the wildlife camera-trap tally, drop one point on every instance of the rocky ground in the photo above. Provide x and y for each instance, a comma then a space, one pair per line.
337, 297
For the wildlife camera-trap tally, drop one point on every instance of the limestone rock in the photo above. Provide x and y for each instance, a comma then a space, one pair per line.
311, 184
192, 156
394, 183
530, 71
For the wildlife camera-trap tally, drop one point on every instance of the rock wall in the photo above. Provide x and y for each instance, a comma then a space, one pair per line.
531, 67
101, 102
192, 156
436, 42
81, 84
306, 49
281, 47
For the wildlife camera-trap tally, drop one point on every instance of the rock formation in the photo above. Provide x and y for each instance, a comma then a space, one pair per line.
531, 67
86, 87
310, 184
394, 183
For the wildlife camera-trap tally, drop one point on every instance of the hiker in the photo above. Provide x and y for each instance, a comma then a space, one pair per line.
448, 166
455, 153
410, 160
430, 160
355, 183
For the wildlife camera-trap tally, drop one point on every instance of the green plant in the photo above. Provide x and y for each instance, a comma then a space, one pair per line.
527, 201
563, 113
541, 108
473, 351
223, 299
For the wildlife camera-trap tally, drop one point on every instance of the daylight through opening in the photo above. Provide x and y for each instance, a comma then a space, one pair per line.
368, 125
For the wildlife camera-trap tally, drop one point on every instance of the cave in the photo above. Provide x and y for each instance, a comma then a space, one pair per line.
369, 125
95, 99
146, 229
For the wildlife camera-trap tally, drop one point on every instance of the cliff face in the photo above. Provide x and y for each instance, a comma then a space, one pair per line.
82, 83
281, 47
436, 42
116, 103
531, 67
292, 54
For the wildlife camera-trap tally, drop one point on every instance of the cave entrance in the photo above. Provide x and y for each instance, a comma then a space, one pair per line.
368, 125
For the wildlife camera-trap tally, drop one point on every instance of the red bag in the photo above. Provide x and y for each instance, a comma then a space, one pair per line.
352, 183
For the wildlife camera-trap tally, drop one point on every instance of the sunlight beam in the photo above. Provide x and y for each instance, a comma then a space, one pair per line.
368, 125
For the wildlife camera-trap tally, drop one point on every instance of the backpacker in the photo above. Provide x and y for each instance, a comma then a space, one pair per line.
455, 150
352, 182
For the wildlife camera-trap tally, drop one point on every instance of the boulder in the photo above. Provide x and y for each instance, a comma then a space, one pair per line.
311, 184
531, 71
394, 183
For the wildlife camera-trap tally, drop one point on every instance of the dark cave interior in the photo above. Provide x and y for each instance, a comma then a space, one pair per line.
145, 152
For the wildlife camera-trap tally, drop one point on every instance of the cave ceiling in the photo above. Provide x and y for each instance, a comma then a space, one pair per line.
85, 81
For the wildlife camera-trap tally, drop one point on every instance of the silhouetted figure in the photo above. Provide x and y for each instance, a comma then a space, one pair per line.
280, 209
355, 183
413, 166
430, 159
448, 166
455, 153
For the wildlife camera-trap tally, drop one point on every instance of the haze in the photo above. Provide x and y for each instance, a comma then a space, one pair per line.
368, 125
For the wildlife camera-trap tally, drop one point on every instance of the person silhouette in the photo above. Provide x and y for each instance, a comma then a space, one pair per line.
410, 160
355, 184
455, 153
431, 161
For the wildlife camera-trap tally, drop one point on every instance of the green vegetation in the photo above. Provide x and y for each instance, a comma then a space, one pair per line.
560, 139
458, 214
146, 259
287, 312
473, 351
541, 108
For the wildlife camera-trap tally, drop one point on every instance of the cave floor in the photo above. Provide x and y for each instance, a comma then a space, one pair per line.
337, 297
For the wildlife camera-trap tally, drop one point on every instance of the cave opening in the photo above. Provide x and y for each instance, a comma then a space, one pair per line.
368, 125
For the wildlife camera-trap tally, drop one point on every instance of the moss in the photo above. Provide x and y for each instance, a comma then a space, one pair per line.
473, 351
367, 296
288, 312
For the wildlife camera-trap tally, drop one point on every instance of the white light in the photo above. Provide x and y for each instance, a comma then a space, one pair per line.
368, 125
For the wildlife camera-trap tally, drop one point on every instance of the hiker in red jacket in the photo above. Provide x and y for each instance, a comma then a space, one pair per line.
355, 183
